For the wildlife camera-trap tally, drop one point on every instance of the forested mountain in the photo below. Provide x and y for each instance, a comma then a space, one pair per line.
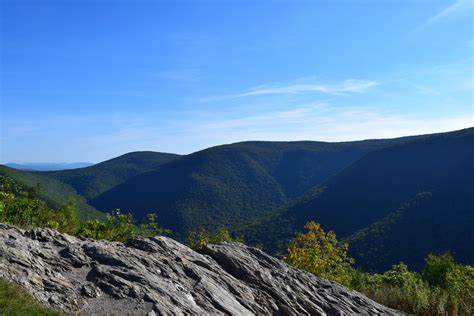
229, 184
378, 184
393, 200
96, 179
428, 223
54, 192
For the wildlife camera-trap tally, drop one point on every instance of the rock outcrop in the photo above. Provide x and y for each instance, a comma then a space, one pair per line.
159, 276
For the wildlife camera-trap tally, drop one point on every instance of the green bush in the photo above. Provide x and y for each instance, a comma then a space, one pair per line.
398, 288
321, 254
198, 239
442, 288
120, 227
454, 280
22, 207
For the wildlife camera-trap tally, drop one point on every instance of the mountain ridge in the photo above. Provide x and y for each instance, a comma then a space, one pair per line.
96, 179
250, 186
224, 184
377, 185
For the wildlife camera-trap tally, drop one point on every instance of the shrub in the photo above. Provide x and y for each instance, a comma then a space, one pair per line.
119, 227
454, 280
442, 288
151, 227
321, 254
22, 207
198, 239
398, 288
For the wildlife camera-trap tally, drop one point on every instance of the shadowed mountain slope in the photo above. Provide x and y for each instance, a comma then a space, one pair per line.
377, 184
429, 223
229, 184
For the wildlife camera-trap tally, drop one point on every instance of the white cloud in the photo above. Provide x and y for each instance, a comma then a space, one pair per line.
321, 123
315, 121
288, 116
345, 87
348, 86
456, 7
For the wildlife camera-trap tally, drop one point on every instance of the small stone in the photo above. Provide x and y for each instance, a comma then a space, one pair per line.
91, 291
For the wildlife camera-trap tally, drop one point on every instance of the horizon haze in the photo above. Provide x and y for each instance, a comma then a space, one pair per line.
56, 166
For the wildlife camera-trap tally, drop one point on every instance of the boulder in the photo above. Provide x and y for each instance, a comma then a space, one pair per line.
159, 276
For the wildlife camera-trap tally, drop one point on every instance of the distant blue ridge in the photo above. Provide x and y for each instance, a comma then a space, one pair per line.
48, 166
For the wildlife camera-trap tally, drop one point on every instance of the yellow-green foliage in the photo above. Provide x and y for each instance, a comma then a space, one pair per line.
198, 239
455, 281
16, 301
442, 288
120, 227
320, 253
398, 288
23, 207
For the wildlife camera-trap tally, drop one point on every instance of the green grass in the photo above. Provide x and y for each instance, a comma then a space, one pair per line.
16, 301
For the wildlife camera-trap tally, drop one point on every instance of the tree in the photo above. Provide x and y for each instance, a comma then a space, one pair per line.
198, 239
321, 254
120, 227
452, 278
151, 228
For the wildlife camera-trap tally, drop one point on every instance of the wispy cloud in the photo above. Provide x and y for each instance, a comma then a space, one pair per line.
345, 87
322, 123
185, 134
448, 79
456, 7
348, 86
291, 116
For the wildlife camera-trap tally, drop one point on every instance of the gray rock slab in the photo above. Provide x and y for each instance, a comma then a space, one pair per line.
159, 276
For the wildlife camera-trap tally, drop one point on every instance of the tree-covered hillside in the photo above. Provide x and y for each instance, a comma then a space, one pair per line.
229, 184
265, 191
376, 185
54, 192
94, 180
429, 223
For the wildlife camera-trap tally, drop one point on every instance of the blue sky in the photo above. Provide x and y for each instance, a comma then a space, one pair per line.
90, 80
